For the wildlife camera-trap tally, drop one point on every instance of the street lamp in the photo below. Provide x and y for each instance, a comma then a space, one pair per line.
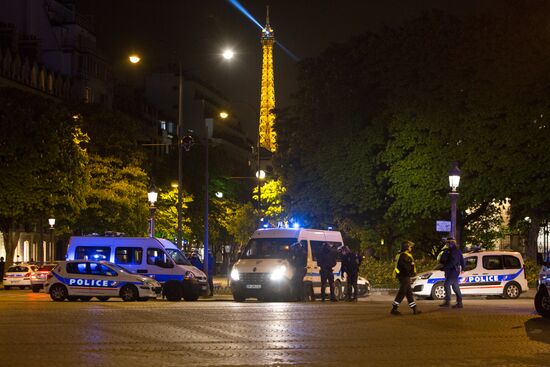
454, 181
152, 195
134, 59
51, 221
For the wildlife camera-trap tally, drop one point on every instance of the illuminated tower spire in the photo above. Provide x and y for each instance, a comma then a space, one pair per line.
268, 137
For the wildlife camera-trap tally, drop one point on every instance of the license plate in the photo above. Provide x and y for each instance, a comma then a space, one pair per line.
253, 286
15, 281
204, 288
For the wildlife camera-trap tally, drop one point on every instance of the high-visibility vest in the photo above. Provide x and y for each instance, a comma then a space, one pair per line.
395, 270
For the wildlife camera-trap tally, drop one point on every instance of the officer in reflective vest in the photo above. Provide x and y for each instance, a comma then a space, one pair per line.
404, 270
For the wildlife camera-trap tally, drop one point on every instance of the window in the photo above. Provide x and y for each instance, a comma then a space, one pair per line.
92, 253
511, 262
268, 248
470, 263
128, 255
77, 268
17, 269
156, 256
492, 262
100, 269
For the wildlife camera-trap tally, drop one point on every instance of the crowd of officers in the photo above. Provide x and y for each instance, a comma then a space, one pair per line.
326, 261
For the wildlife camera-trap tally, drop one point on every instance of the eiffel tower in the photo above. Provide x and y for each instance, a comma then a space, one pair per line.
267, 135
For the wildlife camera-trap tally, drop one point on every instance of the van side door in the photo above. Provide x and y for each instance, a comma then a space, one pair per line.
160, 265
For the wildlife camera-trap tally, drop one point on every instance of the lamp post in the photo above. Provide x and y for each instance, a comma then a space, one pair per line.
51, 221
152, 195
454, 181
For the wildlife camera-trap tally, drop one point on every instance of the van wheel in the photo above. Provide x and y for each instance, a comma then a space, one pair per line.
103, 298
129, 293
512, 290
338, 291
172, 290
237, 297
7, 287
542, 303
58, 292
438, 291
85, 299
143, 299
190, 296
22, 287
35, 289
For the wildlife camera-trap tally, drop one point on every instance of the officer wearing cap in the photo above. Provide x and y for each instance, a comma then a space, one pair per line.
453, 264
404, 270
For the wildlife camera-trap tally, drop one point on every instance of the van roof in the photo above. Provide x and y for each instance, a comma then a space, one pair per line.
109, 241
295, 233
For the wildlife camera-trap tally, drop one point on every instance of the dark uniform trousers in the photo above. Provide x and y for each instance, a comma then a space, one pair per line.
405, 290
298, 284
327, 276
352, 283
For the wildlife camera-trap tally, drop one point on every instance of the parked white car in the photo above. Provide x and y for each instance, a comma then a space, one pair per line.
19, 276
485, 273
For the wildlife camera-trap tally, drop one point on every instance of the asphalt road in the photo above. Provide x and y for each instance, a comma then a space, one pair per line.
35, 331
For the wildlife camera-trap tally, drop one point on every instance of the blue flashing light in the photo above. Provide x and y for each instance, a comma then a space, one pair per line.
329, 228
266, 225
296, 225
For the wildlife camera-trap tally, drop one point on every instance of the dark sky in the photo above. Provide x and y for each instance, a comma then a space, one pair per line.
197, 31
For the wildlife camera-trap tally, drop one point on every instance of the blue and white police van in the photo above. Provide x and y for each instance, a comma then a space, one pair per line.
156, 258
84, 279
486, 273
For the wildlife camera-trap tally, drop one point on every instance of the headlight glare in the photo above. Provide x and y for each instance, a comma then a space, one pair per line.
235, 274
278, 273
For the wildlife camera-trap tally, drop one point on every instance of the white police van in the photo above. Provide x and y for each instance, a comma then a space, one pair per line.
485, 273
84, 279
156, 258
263, 270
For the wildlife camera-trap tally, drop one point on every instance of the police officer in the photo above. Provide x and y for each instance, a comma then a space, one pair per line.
196, 260
298, 260
453, 264
326, 261
404, 270
350, 266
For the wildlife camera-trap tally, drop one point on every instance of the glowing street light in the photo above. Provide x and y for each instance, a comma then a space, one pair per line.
454, 181
152, 196
228, 54
223, 115
134, 59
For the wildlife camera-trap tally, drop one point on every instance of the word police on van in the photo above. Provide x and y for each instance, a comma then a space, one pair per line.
156, 258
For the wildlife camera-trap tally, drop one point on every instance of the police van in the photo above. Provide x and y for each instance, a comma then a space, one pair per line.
485, 273
156, 258
263, 270
542, 298
83, 279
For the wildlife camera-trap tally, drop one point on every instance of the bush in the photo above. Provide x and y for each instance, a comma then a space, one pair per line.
532, 270
380, 272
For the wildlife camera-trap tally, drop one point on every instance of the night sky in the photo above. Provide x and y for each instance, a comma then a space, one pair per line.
197, 31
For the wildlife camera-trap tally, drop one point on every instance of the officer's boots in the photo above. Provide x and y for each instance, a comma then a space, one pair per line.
416, 311
395, 311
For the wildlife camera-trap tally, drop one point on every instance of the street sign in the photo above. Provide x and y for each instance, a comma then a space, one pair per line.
443, 226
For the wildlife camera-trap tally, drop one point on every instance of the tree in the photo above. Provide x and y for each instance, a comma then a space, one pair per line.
166, 216
42, 163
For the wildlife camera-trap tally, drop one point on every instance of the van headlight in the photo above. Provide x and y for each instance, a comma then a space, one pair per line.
425, 276
189, 275
235, 274
278, 273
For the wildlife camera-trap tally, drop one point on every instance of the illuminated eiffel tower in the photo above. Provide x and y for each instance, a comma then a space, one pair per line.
267, 135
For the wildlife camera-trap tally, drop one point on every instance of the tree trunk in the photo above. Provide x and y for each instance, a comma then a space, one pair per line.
532, 239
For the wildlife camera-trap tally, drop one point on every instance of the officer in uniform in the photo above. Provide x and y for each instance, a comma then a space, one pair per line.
326, 261
350, 266
453, 264
298, 260
404, 270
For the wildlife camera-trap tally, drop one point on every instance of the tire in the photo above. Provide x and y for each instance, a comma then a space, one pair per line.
173, 291
542, 302
22, 287
129, 293
237, 297
143, 299
512, 290
85, 298
103, 298
58, 292
35, 289
438, 291
338, 290
190, 296
7, 287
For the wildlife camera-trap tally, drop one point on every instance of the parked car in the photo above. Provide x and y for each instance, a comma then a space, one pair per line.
486, 273
19, 276
39, 277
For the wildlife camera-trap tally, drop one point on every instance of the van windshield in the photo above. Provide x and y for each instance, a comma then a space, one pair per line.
268, 248
178, 257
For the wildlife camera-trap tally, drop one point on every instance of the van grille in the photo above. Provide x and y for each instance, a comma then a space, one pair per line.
254, 278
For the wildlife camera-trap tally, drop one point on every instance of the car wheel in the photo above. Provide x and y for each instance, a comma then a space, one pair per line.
58, 292
338, 291
237, 297
85, 299
143, 299
512, 290
129, 293
7, 287
103, 298
22, 287
542, 303
35, 289
172, 289
438, 291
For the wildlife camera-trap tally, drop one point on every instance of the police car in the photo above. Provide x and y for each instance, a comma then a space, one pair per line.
485, 273
83, 279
